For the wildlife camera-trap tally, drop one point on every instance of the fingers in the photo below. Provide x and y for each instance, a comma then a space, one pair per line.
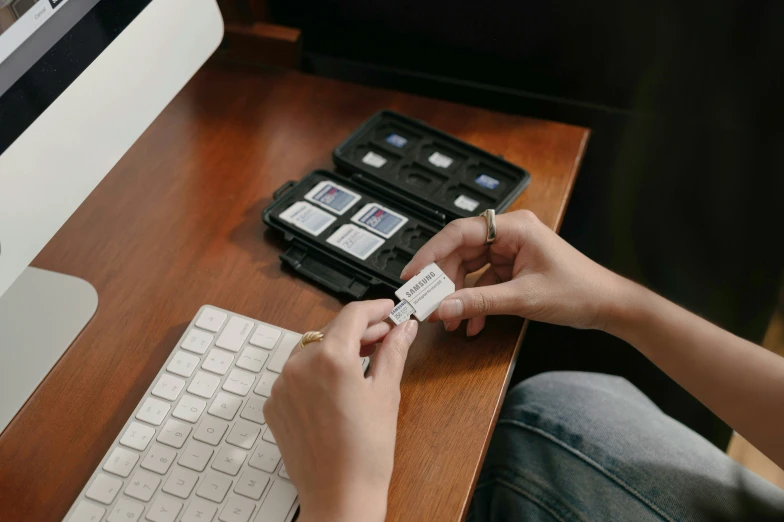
500, 299
476, 324
348, 328
387, 368
375, 333
467, 232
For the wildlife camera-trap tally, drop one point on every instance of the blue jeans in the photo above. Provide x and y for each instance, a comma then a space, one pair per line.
575, 446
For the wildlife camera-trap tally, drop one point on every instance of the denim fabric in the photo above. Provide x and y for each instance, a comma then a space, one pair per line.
575, 446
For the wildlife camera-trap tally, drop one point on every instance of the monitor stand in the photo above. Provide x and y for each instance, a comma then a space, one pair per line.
40, 316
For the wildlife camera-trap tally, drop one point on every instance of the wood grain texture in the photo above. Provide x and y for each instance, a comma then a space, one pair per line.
176, 224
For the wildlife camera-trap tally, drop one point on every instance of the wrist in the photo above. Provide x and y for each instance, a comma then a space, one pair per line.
625, 307
360, 508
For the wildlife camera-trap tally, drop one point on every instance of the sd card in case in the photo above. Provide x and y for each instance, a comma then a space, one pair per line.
333, 197
311, 219
381, 220
355, 241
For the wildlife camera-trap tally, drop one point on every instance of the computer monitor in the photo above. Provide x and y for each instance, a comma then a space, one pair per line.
80, 80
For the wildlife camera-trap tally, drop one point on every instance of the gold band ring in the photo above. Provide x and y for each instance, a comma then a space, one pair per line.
311, 337
489, 216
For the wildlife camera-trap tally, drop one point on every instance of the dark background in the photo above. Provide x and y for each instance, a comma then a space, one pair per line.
682, 185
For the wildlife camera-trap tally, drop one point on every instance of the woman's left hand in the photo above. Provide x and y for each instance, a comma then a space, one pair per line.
335, 427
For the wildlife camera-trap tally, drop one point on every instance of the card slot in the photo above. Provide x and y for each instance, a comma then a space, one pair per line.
374, 158
441, 157
392, 260
395, 137
464, 198
420, 177
414, 237
482, 177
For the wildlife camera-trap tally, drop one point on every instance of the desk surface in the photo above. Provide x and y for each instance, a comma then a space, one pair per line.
176, 224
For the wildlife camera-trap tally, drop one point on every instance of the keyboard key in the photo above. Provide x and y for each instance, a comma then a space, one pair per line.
210, 430
265, 337
252, 359
137, 436
278, 502
211, 319
225, 406
143, 485
254, 410
153, 411
214, 486
87, 512
239, 382
126, 511
244, 434
181, 482
196, 456
121, 462
281, 355
237, 509
251, 484
269, 437
265, 457
168, 387
164, 509
159, 459
204, 385
183, 364
189, 409
197, 341
199, 511
264, 388
233, 336
174, 433
283, 473
218, 361
229, 460
104, 488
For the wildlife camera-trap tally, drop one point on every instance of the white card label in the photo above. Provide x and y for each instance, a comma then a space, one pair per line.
374, 160
401, 312
466, 203
357, 242
311, 219
440, 160
426, 290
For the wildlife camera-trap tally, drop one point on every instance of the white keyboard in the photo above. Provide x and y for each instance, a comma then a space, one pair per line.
196, 448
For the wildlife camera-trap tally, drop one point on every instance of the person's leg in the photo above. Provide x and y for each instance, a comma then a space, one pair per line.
577, 446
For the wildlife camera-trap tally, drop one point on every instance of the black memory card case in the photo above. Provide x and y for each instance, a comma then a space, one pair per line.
407, 167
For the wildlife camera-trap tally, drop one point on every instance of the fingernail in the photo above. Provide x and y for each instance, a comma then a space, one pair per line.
450, 309
410, 325
451, 326
405, 271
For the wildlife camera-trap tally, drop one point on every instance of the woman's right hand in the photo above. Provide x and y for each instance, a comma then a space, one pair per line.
533, 273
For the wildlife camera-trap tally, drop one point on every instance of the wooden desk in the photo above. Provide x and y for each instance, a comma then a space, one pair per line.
176, 224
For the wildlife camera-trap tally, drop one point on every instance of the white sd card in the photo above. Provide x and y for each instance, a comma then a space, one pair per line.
355, 241
425, 291
311, 219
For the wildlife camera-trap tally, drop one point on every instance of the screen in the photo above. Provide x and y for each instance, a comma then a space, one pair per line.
44, 46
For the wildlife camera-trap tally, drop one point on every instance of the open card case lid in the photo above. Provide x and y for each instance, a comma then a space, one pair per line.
422, 177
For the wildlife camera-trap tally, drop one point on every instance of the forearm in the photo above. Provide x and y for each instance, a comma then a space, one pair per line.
739, 381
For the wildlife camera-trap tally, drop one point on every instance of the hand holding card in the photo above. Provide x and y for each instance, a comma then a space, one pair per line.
421, 296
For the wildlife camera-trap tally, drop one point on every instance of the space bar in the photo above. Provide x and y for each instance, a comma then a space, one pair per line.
278, 503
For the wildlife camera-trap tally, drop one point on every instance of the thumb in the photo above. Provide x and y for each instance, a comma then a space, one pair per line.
391, 356
500, 299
